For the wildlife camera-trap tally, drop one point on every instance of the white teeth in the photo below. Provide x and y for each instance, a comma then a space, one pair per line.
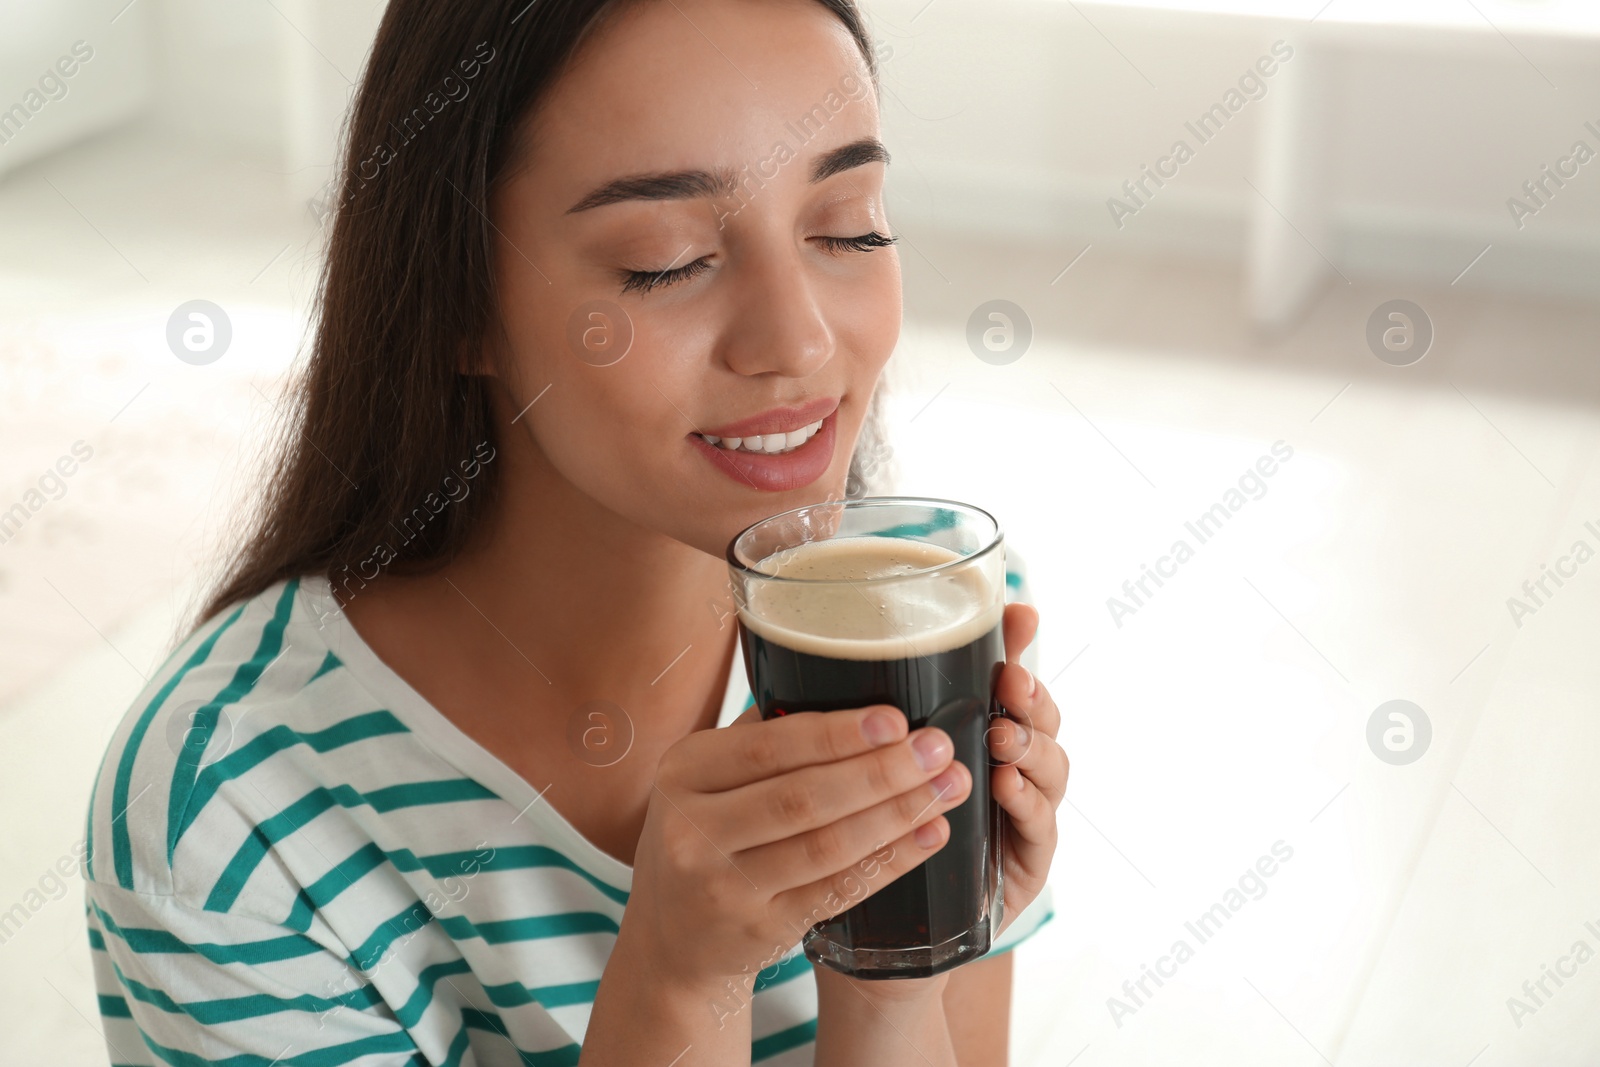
767, 444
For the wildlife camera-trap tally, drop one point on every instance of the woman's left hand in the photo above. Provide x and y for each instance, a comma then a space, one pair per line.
1029, 777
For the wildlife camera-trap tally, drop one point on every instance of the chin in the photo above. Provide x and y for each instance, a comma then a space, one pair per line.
710, 530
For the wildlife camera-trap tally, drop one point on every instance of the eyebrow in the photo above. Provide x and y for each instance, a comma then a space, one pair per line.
695, 184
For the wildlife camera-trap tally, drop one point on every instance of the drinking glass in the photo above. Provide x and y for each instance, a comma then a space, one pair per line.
889, 600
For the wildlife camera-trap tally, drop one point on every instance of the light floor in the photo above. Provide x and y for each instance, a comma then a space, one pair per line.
1227, 716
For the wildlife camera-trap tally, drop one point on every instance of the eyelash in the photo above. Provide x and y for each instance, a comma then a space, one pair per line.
645, 280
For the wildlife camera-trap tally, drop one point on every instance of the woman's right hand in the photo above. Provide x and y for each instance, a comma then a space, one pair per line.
759, 830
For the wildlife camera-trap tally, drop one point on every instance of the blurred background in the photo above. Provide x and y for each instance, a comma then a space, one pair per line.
1354, 320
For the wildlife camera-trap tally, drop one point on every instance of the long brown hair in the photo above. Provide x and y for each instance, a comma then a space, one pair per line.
381, 419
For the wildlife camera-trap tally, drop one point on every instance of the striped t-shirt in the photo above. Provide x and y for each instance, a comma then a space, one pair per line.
294, 859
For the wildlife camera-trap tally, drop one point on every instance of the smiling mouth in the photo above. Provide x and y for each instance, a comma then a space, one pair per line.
771, 444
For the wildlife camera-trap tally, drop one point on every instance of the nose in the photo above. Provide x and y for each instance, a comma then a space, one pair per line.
779, 326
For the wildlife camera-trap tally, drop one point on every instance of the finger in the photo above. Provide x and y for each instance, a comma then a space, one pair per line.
816, 797
750, 714
1018, 625
1037, 756
830, 849
1030, 839
1033, 816
828, 896
1025, 698
713, 761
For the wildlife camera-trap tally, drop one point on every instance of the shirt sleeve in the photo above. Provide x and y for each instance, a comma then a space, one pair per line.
181, 985
1026, 924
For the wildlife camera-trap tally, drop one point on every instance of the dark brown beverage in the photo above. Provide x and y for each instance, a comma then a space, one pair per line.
931, 647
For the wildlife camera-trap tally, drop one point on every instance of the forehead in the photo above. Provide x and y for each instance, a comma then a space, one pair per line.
678, 84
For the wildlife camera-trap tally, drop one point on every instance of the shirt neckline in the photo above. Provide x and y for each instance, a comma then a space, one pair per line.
458, 748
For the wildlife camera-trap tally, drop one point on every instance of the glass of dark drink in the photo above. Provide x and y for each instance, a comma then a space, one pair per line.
889, 600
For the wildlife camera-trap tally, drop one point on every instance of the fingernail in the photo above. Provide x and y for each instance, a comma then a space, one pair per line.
879, 727
947, 779
931, 747
1022, 733
927, 835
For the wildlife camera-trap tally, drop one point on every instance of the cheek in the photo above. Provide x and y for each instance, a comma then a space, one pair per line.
868, 318
602, 424
870, 314
609, 428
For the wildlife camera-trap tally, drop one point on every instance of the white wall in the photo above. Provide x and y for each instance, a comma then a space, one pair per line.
1020, 117
105, 89
1025, 117
220, 75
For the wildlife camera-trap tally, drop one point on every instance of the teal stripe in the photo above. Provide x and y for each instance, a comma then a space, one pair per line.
458, 1048
300, 913
509, 858
94, 789
410, 1013
368, 954
262, 837
509, 995
154, 941
565, 1056
329, 662
1019, 939
329, 1056
96, 940
519, 857
244, 680
88, 828
529, 928
121, 845
786, 971
420, 794
348, 872
254, 1006
943, 519
515, 994
1013, 580
114, 1007
349, 731
326, 889
416, 915
276, 827
767, 1047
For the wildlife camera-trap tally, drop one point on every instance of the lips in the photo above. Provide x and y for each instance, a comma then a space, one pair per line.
779, 471
777, 420
770, 444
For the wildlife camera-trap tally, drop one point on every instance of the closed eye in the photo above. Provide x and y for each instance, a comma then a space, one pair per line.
864, 243
642, 281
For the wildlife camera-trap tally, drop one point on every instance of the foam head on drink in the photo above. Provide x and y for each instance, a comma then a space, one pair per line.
835, 604
881, 620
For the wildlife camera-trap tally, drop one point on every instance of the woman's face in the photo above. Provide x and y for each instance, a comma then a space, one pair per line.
761, 308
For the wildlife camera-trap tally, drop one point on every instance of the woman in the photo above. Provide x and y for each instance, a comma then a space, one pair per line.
583, 250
